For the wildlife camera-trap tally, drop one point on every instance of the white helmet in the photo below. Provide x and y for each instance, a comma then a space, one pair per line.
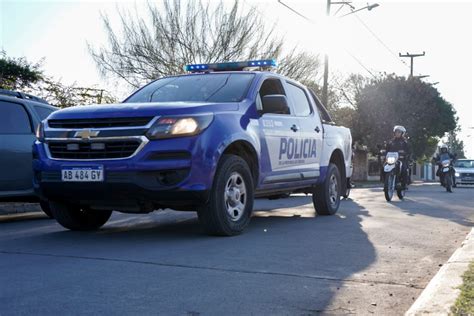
443, 146
400, 129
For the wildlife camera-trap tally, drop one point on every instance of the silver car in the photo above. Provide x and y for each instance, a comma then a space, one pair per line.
20, 114
464, 171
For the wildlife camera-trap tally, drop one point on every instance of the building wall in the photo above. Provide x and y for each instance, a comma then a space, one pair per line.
360, 164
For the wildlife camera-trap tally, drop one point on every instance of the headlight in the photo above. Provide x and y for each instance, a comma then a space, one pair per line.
391, 160
40, 132
457, 174
167, 127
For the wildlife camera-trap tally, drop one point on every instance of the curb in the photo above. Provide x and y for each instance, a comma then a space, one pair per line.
9, 208
443, 290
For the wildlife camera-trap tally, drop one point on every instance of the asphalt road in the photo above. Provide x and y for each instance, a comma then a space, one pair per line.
372, 257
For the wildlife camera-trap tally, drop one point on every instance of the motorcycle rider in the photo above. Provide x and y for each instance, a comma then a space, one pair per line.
399, 143
443, 151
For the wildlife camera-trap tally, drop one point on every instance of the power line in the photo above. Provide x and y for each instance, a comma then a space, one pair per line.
381, 41
294, 11
350, 54
360, 63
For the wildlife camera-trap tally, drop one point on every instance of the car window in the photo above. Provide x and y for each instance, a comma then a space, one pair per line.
323, 113
195, 88
43, 112
464, 164
300, 100
14, 119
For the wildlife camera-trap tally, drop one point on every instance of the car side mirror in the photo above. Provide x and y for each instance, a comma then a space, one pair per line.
276, 104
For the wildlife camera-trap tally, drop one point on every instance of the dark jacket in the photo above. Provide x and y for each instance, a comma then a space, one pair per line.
397, 145
439, 157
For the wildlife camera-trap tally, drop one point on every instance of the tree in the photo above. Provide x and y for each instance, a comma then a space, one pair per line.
189, 32
391, 100
18, 73
61, 95
455, 145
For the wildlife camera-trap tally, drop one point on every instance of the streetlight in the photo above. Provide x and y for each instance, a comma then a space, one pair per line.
326, 57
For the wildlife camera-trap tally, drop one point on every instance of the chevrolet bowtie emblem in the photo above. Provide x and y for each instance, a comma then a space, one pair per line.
86, 134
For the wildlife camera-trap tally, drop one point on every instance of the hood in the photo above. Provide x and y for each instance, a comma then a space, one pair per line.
142, 109
464, 170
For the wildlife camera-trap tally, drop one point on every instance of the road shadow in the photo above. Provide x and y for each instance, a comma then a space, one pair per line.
432, 200
285, 245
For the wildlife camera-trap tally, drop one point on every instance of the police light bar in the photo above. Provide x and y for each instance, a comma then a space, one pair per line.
231, 66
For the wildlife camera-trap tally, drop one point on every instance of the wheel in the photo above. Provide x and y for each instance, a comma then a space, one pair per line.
449, 183
74, 218
45, 208
389, 186
401, 194
230, 205
327, 196
348, 188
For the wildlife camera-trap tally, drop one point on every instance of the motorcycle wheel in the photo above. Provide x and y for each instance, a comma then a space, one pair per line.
389, 186
449, 183
401, 194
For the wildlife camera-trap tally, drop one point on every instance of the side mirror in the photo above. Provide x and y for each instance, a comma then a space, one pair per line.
276, 104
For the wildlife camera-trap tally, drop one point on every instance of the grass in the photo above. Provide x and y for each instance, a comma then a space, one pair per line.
465, 303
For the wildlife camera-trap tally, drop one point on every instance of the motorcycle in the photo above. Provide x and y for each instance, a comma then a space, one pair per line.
392, 175
446, 172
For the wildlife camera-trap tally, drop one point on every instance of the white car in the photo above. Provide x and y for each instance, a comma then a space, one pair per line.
464, 171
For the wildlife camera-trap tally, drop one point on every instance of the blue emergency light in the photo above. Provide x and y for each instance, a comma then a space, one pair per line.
231, 66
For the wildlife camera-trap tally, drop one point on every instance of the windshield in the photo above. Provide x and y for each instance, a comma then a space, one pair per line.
195, 88
464, 164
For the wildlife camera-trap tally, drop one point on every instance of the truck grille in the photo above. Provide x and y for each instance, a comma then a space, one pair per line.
100, 122
93, 150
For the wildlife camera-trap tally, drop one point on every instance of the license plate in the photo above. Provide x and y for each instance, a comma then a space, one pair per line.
445, 169
82, 174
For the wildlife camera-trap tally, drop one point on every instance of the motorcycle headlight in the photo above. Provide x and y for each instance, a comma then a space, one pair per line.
167, 127
40, 132
391, 160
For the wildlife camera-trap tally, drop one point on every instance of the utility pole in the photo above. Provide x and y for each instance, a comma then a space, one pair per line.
326, 64
411, 56
328, 12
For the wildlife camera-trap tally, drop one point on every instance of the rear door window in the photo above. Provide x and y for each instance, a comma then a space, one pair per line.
300, 100
14, 119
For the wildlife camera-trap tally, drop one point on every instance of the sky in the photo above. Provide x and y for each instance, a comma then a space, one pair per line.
365, 42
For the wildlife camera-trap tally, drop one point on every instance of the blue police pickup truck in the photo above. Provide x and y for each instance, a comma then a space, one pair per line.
208, 141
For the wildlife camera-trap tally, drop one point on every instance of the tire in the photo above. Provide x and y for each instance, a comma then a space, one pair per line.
74, 218
388, 187
230, 204
45, 208
348, 189
449, 183
327, 196
454, 182
401, 194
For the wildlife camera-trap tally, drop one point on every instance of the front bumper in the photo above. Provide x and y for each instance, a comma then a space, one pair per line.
464, 180
167, 173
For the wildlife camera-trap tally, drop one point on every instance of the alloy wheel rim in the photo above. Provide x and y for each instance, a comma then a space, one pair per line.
235, 196
333, 190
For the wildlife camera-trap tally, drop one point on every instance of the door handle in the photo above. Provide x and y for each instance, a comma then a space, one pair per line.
317, 129
294, 128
